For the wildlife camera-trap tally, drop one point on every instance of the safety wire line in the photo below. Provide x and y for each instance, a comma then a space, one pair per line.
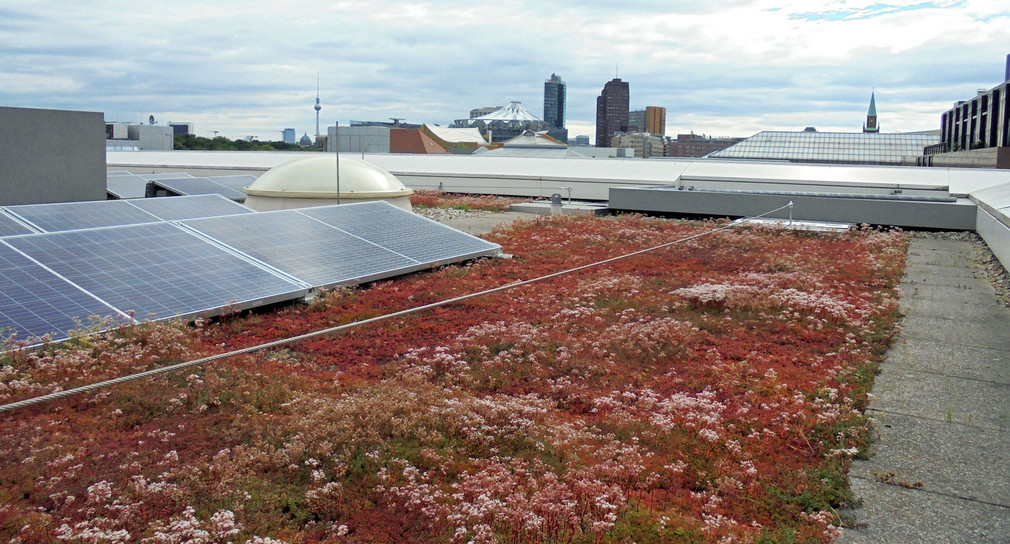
323, 332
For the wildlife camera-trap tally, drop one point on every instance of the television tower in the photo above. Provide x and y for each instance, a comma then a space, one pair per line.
317, 106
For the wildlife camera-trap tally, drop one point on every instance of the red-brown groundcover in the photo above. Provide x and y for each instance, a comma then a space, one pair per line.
707, 392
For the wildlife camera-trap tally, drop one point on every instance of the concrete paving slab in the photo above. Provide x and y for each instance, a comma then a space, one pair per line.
943, 303
983, 334
946, 458
957, 361
930, 274
942, 398
896, 515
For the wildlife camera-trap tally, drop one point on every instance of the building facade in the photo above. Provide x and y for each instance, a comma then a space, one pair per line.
134, 137
696, 145
182, 129
612, 111
979, 123
645, 145
555, 92
651, 120
289, 136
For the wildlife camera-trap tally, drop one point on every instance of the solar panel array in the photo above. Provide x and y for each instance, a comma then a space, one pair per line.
156, 270
35, 302
64, 216
198, 186
188, 207
314, 252
52, 282
10, 226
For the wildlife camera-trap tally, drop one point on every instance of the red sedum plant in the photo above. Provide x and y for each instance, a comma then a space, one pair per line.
707, 392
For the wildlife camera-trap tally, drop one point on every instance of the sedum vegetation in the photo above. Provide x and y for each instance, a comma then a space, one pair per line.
708, 392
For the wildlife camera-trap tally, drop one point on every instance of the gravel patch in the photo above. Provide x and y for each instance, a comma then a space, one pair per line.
444, 214
991, 268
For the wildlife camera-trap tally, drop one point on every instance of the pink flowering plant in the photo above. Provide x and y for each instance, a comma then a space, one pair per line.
708, 392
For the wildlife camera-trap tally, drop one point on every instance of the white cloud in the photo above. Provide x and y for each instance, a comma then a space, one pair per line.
725, 67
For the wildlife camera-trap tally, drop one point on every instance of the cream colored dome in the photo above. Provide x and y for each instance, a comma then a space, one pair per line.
312, 181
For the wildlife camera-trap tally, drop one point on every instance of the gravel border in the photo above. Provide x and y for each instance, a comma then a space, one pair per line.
445, 214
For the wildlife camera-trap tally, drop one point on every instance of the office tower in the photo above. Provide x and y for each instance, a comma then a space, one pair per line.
612, 111
554, 108
554, 102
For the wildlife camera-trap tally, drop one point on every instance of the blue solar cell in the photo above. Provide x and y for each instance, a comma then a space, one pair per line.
81, 215
174, 208
199, 186
10, 226
35, 302
305, 248
403, 232
157, 270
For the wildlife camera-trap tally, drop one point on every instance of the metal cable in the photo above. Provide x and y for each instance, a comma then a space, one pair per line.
322, 332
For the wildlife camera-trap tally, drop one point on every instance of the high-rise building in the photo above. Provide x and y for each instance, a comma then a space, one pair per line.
554, 108
651, 120
289, 135
612, 111
554, 102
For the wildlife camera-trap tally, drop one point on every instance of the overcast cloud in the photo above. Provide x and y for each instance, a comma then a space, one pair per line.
721, 67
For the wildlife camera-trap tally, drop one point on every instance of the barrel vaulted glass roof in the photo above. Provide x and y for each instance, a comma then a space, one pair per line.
830, 147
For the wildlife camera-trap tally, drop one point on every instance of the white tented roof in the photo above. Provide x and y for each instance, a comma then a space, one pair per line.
513, 112
457, 135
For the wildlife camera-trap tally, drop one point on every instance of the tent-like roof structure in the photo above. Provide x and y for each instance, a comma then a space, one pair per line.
513, 112
455, 136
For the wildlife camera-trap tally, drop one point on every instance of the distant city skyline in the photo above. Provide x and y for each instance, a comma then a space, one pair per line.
724, 68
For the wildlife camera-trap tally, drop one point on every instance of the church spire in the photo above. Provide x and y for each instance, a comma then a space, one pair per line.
871, 116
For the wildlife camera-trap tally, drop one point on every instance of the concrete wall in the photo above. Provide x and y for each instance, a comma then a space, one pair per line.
51, 156
954, 214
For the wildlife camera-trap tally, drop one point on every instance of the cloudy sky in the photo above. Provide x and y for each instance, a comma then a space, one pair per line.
720, 67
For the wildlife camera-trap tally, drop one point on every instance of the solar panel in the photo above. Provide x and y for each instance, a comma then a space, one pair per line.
157, 270
238, 182
305, 248
166, 175
80, 215
128, 186
174, 208
35, 302
198, 186
10, 226
404, 232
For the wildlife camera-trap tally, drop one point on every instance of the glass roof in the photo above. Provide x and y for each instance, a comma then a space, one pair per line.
837, 147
